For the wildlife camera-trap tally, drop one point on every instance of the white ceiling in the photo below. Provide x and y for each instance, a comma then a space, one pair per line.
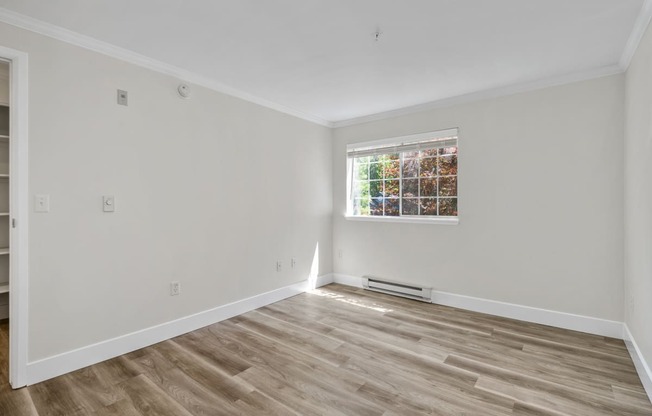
319, 57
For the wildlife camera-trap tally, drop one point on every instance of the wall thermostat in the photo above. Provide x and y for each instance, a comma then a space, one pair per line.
184, 90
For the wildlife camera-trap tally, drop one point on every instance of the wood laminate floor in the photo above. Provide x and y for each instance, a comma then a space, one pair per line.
344, 351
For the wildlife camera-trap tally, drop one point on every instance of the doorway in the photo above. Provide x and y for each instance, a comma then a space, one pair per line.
13, 217
5, 219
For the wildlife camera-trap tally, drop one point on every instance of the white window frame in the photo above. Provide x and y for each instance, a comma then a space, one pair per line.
388, 142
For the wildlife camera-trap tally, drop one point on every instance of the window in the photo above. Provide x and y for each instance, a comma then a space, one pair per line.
412, 177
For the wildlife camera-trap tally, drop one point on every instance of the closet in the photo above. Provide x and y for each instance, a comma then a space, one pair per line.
4, 190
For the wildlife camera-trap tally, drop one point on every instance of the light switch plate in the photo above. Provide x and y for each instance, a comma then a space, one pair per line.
108, 203
41, 203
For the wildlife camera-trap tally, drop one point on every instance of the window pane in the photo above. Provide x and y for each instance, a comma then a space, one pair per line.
392, 206
376, 206
361, 206
428, 167
360, 189
428, 153
448, 186
448, 165
428, 206
428, 187
448, 151
411, 183
392, 188
376, 189
410, 187
448, 206
375, 171
410, 206
411, 168
392, 169
361, 171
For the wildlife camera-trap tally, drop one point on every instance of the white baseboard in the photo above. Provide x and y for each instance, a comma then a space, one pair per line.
642, 367
324, 280
57, 365
590, 325
347, 280
564, 320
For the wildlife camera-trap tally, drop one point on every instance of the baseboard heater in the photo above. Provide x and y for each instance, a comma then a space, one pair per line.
422, 294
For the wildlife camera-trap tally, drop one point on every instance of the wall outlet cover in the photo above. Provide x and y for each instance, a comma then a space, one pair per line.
175, 288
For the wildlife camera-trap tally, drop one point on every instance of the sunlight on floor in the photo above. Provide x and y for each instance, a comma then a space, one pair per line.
341, 298
312, 288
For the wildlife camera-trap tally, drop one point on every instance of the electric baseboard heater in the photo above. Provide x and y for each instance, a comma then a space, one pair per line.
404, 290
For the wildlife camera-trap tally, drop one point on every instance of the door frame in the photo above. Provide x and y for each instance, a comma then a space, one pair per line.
19, 215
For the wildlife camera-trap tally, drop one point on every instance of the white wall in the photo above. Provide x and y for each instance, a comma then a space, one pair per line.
540, 200
638, 197
210, 192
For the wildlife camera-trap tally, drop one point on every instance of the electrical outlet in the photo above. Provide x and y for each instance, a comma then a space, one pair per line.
175, 288
293, 262
279, 266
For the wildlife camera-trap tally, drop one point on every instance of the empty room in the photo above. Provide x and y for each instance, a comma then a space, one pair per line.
309, 207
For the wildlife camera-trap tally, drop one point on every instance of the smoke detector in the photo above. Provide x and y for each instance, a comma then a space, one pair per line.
184, 90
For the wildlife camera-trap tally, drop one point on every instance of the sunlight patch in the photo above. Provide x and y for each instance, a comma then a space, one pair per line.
341, 298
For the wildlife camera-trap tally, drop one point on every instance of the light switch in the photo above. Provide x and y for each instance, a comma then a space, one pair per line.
108, 203
41, 203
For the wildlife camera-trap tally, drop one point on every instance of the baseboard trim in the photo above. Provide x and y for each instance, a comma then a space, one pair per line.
564, 320
347, 280
642, 367
57, 365
323, 281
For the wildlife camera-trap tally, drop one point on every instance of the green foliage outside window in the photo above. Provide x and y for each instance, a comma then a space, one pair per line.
418, 183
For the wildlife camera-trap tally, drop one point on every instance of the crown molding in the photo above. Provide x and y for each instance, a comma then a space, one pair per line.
640, 26
486, 94
87, 42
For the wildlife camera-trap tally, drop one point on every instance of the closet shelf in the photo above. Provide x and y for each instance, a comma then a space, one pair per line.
4, 251
4, 136
4, 288
4, 214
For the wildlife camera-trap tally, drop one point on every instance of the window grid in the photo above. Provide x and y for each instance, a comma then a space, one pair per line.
382, 166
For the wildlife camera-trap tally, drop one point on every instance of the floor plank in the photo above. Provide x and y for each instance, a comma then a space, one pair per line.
149, 400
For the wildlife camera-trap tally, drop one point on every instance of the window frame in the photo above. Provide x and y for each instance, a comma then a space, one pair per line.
388, 142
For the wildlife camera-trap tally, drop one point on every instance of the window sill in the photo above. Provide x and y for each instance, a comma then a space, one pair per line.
412, 220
